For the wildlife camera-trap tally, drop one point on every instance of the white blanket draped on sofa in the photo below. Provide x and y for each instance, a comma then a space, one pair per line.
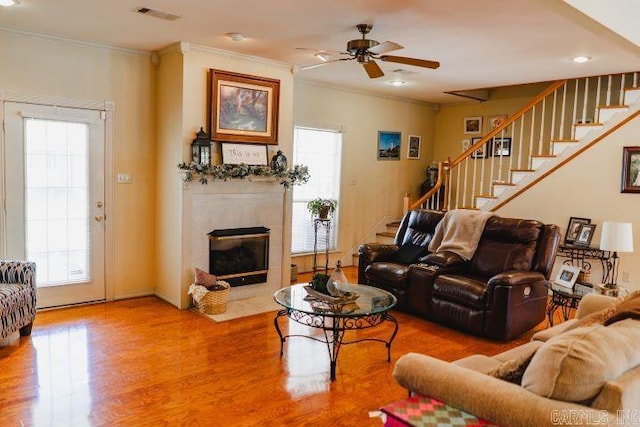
459, 232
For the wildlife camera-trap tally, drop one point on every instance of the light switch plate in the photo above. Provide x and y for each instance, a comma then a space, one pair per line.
124, 178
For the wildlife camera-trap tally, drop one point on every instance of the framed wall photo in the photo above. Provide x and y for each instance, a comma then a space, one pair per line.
465, 145
495, 121
413, 150
480, 153
567, 276
249, 154
572, 229
243, 108
389, 145
585, 234
630, 170
472, 125
500, 147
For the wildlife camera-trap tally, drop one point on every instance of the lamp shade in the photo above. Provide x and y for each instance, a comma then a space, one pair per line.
616, 237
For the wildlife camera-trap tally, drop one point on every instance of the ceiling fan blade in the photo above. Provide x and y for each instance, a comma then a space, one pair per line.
308, 67
385, 47
372, 69
410, 61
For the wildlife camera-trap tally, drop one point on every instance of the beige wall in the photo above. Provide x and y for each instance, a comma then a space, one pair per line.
589, 187
40, 66
449, 131
371, 189
168, 260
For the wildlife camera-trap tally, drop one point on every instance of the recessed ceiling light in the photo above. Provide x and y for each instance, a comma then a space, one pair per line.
8, 3
236, 37
581, 59
397, 82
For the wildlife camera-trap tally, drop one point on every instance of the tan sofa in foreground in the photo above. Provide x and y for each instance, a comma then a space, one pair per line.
581, 373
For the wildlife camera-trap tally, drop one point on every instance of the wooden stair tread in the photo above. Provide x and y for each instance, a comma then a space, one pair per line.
486, 196
604, 107
587, 124
503, 183
386, 234
393, 224
544, 156
553, 141
522, 170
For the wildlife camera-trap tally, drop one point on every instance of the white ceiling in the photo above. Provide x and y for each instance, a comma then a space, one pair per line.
480, 44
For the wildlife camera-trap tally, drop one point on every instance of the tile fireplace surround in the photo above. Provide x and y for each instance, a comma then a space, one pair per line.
233, 204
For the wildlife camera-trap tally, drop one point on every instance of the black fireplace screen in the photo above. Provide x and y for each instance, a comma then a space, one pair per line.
239, 255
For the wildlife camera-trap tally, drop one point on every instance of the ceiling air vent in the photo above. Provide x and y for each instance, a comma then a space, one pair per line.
158, 14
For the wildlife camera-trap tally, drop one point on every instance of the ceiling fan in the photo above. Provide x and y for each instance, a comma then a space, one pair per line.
365, 51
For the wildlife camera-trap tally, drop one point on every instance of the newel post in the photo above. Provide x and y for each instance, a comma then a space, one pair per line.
406, 203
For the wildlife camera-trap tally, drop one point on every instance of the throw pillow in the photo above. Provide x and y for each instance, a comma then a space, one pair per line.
629, 307
575, 365
205, 279
409, 253
512, 370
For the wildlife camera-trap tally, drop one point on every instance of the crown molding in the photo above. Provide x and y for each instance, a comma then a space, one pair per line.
206, 49
75, 42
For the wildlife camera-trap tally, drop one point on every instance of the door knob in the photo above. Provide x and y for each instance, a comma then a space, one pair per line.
98, 218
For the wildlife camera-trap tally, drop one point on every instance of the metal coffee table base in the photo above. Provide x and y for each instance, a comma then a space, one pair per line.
334, 328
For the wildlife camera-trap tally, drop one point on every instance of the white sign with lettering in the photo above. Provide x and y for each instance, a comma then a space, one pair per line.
249, 154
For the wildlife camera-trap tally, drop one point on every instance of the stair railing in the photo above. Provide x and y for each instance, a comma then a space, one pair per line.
504, 155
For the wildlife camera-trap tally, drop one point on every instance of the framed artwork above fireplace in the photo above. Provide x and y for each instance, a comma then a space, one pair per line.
243, 108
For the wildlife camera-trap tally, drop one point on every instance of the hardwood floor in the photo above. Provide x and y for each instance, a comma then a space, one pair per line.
142, 362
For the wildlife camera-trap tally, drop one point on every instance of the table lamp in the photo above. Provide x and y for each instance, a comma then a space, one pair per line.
616, 237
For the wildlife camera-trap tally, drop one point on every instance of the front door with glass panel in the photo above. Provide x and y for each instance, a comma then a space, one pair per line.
54, 192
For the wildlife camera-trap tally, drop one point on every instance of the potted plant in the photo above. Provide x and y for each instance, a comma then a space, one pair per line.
322, 208
319, 282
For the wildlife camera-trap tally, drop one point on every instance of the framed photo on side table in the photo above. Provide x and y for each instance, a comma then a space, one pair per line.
243, 108
567, 276
572, 229
585, 234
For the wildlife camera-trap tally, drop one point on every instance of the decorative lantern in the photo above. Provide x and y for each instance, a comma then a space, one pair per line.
201, 148
279, 162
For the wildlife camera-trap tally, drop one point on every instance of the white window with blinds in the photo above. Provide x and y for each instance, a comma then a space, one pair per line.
321, 151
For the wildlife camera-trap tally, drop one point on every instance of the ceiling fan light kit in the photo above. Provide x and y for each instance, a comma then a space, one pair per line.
365, 51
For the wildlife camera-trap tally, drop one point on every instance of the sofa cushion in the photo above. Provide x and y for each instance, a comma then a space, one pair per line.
575, 365
506, 244
420, 227
463, 290
409, 253
388, 273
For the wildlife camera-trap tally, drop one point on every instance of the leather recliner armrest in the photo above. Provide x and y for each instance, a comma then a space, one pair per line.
515, 278
444, 259
374, 252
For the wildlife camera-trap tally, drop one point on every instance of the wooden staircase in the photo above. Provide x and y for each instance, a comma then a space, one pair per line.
384, 237
560, 123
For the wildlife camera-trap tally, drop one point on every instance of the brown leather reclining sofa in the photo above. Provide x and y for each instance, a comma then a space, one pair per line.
499, 293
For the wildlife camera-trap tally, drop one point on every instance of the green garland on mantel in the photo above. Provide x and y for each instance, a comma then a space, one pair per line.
296, 175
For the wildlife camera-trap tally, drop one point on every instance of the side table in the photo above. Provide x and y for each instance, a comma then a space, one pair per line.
564, 299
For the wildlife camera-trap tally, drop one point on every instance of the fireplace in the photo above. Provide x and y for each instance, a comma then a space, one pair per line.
239, 256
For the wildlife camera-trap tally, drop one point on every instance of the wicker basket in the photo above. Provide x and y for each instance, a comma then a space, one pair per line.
214, 302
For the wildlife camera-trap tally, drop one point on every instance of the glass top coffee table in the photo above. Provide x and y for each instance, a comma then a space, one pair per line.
370, 309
